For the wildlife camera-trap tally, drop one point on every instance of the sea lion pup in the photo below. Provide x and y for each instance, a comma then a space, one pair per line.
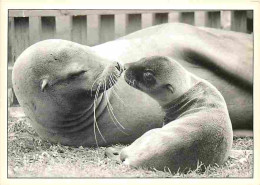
197, 126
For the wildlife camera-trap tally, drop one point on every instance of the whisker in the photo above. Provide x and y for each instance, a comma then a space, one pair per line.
93, 84
112, 115
109, 104
94, 126
110, 112
112, 88
110, 82
95, 119
130, 82
113, 77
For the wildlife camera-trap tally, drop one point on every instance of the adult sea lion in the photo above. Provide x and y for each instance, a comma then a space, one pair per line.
197, 124
56, 81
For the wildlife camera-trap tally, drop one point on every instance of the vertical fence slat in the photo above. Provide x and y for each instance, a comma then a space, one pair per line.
250, 21
48, 26
10, 95
20, 43
11, 44
93, 24
200, 18
79, 29
161, 18
147, 20
120, 25
239, 21
187, 17
9, 77
213, 19
63, 27
107, 28
11, 55
34, 29
134, 23
21, 39
174, 17
225, 19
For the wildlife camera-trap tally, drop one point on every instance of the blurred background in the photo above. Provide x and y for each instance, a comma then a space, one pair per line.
92, 27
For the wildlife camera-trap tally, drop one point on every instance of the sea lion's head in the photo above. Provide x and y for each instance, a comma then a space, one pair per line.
56, 77
160, 77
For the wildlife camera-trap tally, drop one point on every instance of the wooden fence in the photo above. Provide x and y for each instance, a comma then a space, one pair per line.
92, 27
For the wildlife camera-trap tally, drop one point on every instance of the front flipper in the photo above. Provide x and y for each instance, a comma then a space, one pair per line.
113, 153
181, 145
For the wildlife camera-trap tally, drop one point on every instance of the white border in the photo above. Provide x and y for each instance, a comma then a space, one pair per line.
129, 4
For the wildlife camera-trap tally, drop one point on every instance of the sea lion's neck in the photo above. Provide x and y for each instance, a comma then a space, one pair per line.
84, 118
193, 100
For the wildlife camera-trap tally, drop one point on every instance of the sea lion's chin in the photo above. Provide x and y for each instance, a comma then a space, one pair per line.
130, 80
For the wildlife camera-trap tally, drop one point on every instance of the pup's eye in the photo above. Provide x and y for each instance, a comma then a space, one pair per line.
75, 75
148, 76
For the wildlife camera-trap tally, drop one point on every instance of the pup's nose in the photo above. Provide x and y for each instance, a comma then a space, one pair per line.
126, 66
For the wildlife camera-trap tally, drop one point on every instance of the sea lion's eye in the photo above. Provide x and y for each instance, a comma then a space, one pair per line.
75, 75
148, 76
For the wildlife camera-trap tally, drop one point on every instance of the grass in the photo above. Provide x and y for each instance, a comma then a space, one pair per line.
29, 156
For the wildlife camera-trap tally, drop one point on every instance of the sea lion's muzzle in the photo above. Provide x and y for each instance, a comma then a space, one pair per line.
120, 68
109, 77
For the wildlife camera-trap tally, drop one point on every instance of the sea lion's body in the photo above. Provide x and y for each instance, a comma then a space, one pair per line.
223, 58
197, 127
62, 109
69, 117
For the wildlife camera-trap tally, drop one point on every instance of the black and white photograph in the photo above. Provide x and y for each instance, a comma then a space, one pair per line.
130, 93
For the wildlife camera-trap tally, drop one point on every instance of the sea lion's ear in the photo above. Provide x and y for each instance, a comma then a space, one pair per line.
44, 84
170, 87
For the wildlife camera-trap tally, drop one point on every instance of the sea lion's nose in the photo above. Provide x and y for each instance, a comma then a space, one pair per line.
119, 67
